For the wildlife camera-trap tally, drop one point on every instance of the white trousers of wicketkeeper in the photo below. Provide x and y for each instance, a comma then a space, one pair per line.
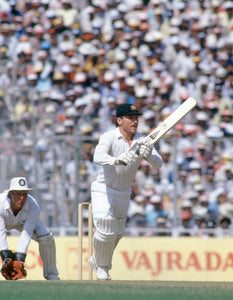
109, 208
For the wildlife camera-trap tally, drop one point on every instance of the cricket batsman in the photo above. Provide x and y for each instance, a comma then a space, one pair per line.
111, 190
20, 211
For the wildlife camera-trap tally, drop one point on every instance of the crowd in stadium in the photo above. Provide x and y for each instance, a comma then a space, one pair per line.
66, 65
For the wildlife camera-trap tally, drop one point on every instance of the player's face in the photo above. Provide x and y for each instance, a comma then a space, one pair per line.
129, 124
18, 199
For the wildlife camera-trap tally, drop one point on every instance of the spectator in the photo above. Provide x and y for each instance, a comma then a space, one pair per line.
217, 198
154, 209
143, 176
186, 223
154, 55
162, 223
223, 228
186, 217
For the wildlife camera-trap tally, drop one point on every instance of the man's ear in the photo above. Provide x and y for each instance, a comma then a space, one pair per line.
118, 121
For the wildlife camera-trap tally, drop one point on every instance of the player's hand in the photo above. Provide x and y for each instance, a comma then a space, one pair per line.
18, 266
141, 140
127, 158
20, 272
7, 269
7, 264
145, 149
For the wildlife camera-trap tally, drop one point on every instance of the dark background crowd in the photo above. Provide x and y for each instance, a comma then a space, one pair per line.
65, 65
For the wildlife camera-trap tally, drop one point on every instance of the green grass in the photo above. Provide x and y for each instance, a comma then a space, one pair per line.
114, 290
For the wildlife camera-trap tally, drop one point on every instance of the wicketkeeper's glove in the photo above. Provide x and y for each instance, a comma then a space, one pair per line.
18, 266
7, 264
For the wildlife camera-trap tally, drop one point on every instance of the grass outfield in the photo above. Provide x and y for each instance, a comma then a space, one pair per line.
117, 290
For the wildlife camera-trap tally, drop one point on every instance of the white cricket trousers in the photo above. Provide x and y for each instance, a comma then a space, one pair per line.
109, 208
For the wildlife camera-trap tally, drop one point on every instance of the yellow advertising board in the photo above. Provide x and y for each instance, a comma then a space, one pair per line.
144, 258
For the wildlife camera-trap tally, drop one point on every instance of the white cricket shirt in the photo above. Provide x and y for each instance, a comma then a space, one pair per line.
25, 221
111, 145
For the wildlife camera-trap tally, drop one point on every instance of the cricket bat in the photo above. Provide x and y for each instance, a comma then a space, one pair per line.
156, 134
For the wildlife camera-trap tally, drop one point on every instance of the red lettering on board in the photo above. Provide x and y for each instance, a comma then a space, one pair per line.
213, 261
72, 252
143, 260
228, 262
193, 262
40, 261
174, 260
31, 257
158, 264
34, 259
72, 249
129, 262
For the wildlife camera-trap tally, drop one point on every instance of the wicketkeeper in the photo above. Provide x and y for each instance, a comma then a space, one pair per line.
20, 211
111, 190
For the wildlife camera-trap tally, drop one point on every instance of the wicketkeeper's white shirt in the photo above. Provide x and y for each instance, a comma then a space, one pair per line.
111, 145
25, 221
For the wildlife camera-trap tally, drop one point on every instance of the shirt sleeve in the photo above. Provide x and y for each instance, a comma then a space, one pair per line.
3, 239
102, 150
155, 159
29, 226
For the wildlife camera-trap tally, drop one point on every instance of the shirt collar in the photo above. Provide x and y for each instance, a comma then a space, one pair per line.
120, 136
118, 133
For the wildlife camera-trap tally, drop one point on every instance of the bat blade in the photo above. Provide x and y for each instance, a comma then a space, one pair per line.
171, 120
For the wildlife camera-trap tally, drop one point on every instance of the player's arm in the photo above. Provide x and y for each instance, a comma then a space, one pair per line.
6, 254
101, 156
29, 226
101, 153
24, 240
149, 153
144, 148
3, 231
155, 159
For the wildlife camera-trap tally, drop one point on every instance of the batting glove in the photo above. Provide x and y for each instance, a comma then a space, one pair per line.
7, 264
127, 158
145, 149
18, 266
141, 140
